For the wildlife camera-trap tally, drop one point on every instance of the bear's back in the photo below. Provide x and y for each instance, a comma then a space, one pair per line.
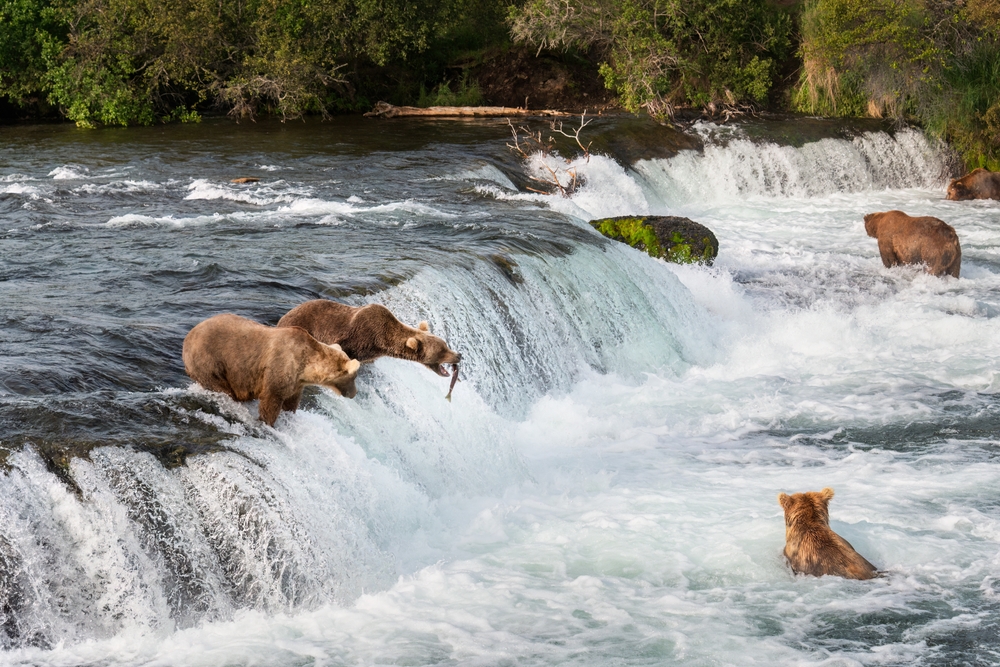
977, 184
824, 552
230, 353
326, 321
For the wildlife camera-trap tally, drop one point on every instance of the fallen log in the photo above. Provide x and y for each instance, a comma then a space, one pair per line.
386, 110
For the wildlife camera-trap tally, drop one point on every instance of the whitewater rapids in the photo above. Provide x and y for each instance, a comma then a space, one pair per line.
602, 487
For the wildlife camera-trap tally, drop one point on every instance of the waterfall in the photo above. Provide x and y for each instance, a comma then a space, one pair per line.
313, 512
344, 497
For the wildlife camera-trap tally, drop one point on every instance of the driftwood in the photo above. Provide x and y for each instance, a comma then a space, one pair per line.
245, 179
386, 110
533, 143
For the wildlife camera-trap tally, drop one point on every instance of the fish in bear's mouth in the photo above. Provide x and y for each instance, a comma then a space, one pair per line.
454, 379
439, 369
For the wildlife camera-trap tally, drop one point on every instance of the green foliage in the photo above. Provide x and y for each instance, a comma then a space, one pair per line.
966, 110
135, 62
128, 62
661, 53
27, 29
466, 94
937, 63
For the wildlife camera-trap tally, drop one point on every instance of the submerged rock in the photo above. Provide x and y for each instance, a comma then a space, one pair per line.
675, 239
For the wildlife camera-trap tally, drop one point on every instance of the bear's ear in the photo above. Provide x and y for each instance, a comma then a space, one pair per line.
412, 343
423, 326
826, 494
352, 366
784, 500
337, 347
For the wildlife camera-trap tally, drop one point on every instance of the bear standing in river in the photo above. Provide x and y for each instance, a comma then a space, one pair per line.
977, 184
811, 547
247, 360
903, 239
370, 332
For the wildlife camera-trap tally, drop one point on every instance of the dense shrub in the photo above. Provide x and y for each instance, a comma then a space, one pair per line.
662, 53
123, 62
932, 61
31, 32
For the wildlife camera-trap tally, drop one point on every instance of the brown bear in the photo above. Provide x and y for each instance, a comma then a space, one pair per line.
903, 239
369, 332
977, 184
811, 547
247, 360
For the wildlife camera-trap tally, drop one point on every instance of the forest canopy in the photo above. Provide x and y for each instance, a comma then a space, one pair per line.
128, 62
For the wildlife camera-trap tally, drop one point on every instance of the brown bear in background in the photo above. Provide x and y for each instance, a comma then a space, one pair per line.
903, 239
247, 360
977, 184
369, 332
811, 547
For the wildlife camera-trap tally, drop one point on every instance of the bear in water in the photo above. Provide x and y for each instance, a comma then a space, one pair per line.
903, 239
369, 332
811, 547
248, 360
977, 184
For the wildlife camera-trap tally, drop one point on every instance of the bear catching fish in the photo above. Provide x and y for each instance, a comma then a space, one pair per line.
368, 332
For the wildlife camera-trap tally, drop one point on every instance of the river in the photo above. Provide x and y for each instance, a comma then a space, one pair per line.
602, 488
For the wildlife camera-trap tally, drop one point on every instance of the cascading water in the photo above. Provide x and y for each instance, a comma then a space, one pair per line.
602, 486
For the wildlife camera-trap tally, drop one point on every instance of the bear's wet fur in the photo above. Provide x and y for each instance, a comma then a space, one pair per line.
977, 184
903, 239
811, 547
368, 332
249, 360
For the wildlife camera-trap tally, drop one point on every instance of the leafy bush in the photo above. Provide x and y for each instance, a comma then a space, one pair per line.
662, 53
29, 29
934, 62
125, 62
466, 94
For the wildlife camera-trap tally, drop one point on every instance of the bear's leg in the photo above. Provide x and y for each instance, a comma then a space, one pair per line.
889, 257
270, 408
291, 403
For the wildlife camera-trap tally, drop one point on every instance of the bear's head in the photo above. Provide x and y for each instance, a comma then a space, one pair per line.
871, 223
430, 350
805, 510
958, 189
335, 370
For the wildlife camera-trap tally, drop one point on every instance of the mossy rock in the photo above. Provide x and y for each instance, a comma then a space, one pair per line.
675, 239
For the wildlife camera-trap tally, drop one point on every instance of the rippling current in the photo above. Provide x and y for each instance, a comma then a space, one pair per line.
602, 488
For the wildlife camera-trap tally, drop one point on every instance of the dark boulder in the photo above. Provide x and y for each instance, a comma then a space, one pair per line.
675, 239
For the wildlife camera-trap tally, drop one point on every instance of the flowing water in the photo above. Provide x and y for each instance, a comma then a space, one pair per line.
602, 488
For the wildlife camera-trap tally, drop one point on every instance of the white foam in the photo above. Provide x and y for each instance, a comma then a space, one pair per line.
20, 189
204, 189
127, 186
322, 207
69, 172
136, 220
